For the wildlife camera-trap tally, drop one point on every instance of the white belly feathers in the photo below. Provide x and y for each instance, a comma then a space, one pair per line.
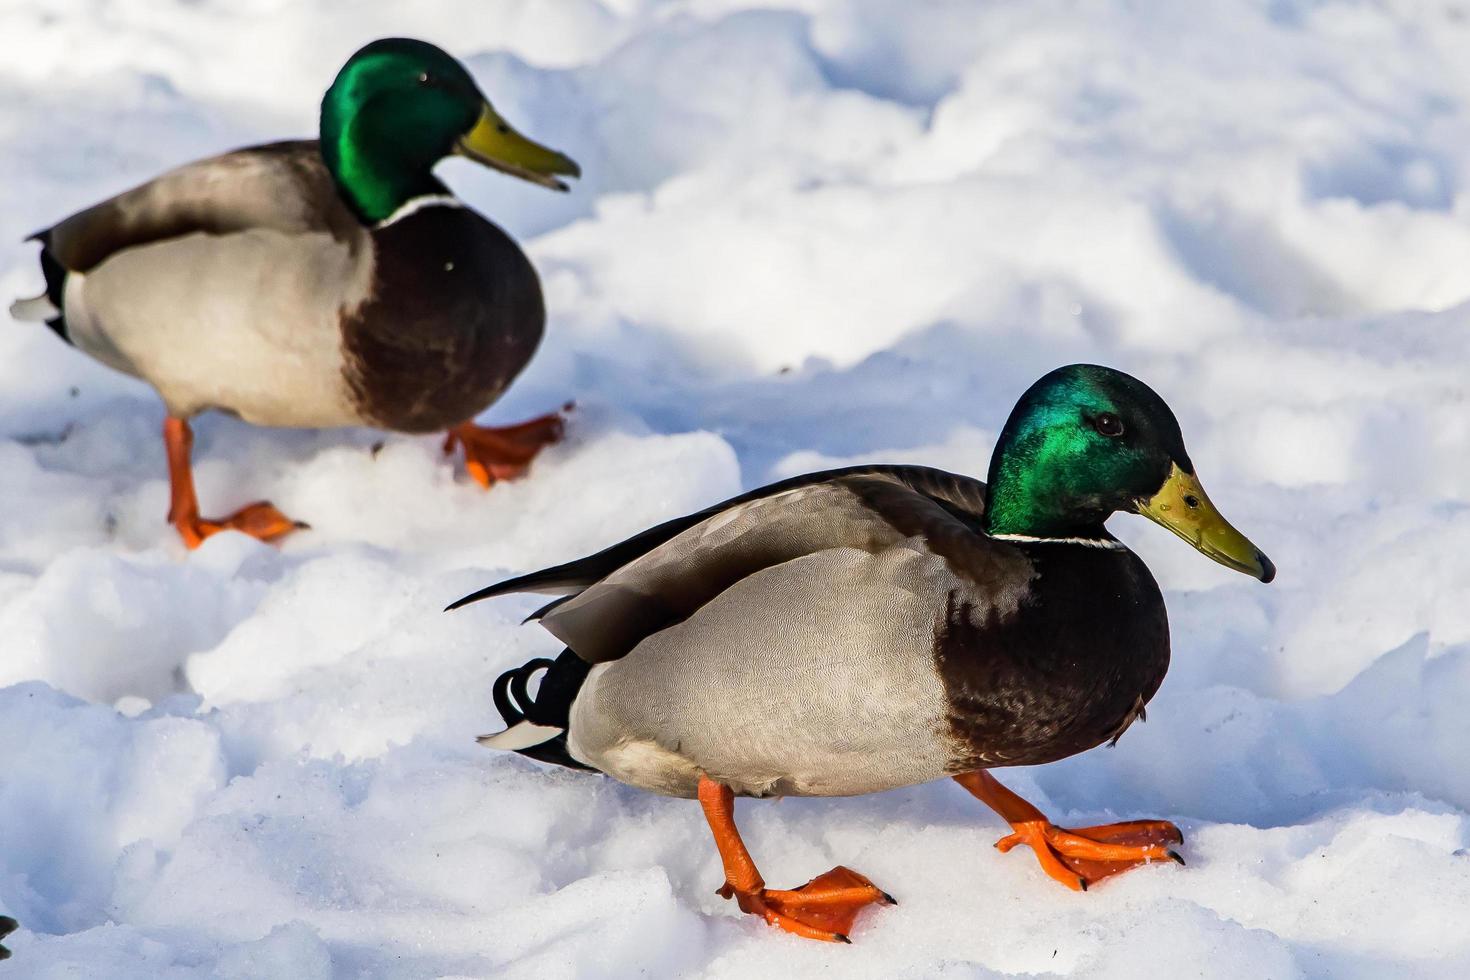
246, 322
805, 693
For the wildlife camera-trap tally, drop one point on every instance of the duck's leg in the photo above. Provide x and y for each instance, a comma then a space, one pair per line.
259, 520
1081, 857
824, 908
504, 453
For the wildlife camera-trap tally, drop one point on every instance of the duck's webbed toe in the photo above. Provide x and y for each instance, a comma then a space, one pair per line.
504, 453
1083, 857
1076, 858
824, 908
261, 520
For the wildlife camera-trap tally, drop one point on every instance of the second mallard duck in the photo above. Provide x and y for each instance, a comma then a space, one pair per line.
873, 627
319, 283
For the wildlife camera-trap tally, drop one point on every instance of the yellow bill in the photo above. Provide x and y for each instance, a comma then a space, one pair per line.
495, 144
1182, 507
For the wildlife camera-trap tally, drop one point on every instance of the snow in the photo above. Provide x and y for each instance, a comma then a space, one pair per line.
810, 233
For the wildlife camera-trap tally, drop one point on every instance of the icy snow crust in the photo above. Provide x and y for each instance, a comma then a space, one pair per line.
835, 232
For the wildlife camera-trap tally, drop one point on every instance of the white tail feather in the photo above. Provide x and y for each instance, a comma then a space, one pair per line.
36, 309
522, 735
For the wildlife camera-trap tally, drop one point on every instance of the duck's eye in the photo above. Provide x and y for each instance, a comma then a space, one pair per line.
423, 78
1108, 424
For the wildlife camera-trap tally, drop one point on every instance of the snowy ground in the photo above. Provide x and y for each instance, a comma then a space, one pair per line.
840, 231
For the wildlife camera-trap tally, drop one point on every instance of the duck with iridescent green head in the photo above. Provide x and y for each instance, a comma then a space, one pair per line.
867, 628
319, 283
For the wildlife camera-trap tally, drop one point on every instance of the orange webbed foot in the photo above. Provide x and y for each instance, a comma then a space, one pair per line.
1083, 857
824, 908
261, 520
1076, 858
505, 452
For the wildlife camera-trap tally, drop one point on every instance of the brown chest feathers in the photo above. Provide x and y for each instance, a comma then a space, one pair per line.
1069, 670
454, 314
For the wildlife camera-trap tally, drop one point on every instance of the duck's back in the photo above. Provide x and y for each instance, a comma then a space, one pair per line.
281, 186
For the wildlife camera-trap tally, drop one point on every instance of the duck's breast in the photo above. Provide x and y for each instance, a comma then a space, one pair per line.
455, 312
1086, 649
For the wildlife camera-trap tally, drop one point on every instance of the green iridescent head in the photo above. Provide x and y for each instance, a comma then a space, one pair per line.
1085, 442
397, 108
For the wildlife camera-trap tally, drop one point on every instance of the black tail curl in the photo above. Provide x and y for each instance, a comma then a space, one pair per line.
552, 705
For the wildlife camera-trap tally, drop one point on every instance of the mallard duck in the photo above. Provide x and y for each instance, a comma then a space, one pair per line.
867, 628
319, 283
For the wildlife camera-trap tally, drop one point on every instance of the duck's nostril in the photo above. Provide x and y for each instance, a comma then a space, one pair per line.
1191, 501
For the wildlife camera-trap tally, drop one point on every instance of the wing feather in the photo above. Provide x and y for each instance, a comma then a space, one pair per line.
614, 599
279, 186
574, 576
